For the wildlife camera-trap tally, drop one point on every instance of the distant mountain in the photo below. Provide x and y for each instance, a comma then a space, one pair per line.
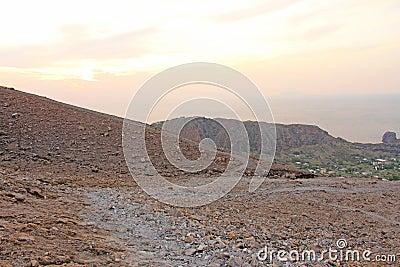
288, 136
307, 147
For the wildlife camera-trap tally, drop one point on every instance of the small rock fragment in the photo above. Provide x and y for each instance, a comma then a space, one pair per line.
24, 238
201, 248
19, 197
33, 263
240, 245
189, 239
231, 235
190, 252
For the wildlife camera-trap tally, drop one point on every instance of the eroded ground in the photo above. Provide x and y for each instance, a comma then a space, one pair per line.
67, 199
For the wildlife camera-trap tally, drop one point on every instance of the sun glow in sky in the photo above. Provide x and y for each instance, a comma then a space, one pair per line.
96, 53
57, 40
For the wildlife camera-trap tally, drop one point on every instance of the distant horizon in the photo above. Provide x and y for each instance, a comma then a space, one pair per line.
288, 114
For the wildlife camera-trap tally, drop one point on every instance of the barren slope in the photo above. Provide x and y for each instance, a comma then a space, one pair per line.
66, 198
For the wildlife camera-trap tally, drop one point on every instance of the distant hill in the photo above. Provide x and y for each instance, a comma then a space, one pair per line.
304, 146
288, 136
40, 135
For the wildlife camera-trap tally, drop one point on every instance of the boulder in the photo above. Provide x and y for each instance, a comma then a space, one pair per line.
390, 138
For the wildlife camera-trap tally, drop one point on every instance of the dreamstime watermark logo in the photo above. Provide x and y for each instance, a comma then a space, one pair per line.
340, 253
341, 243
141, 161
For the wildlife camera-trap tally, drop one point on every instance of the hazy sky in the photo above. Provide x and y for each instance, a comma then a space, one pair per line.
97, 53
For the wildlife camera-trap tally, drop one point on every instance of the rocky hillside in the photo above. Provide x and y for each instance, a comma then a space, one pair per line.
307, 147
288, 136
37, 133
67, 199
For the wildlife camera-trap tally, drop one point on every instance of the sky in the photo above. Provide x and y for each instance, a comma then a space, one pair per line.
96, 54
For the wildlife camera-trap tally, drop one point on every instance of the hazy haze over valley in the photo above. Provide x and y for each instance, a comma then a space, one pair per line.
356, 118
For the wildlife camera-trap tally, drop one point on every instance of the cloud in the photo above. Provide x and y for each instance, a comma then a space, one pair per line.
78, 45
110, 94
257, 10
312, 34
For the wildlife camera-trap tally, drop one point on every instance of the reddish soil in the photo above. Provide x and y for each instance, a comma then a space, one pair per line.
67, 199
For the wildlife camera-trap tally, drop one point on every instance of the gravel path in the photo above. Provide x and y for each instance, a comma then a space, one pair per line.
151, 237
161, 235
